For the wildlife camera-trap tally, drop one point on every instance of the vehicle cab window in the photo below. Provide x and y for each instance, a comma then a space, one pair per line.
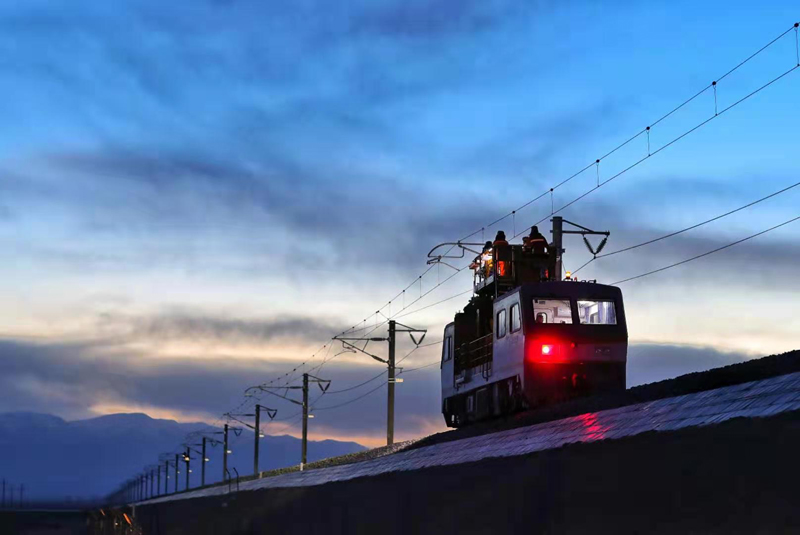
597, 312
552, 310
447, 350
516, 321
501, 323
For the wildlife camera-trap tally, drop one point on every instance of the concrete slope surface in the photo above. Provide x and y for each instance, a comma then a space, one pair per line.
762, 398
737, 476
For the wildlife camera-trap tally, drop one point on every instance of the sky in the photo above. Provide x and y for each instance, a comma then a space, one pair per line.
195, 196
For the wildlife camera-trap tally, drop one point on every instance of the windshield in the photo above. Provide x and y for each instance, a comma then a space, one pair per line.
552, 310
597, 312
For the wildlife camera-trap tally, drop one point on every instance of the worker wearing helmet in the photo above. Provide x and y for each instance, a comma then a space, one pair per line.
500, 239
536, 241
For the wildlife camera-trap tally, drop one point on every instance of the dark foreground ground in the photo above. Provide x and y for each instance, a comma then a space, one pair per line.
43, 523
740, 476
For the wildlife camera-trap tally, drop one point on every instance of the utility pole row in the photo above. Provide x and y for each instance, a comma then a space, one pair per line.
323, 384
138, 488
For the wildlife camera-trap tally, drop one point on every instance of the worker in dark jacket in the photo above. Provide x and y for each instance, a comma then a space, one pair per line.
500, 239
536, 241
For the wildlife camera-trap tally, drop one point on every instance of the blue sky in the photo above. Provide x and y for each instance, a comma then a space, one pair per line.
219, 186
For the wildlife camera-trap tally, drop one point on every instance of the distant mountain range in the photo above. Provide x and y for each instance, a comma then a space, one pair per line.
86, 459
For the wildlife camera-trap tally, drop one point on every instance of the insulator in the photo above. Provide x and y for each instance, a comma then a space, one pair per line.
588, 245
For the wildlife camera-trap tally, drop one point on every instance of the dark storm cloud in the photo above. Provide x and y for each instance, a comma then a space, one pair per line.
67, 379
257, 147
185, 326
195, 193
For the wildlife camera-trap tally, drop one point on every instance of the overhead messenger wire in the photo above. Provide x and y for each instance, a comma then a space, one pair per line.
718, 249
686, 229
656, 122
422, 296
353, 400
675, 140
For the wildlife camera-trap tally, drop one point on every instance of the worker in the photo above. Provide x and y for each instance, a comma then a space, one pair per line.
481, 258
487, 259
536, 241
500, 239
502, 262
541, 317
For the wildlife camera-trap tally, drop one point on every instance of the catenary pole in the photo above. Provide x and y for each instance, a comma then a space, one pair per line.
166, 476
203, 466
303, 457
225, 454
390, 400
257, 439
187, 459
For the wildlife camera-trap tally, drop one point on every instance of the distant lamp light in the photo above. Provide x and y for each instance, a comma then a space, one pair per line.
310, 415
229, 452
206, 459
261, 435
568, 276
190, 470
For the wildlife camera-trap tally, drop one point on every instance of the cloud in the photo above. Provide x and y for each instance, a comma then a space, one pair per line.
73, 379
70, 379
174, 194
185, 326
245, 125
644, 209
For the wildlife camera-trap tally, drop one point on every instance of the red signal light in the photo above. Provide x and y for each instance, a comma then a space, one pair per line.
550, 350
